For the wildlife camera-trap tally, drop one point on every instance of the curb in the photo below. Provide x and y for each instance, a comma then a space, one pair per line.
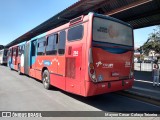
141, 97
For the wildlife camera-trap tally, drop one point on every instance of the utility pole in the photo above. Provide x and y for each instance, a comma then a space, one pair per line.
141, 51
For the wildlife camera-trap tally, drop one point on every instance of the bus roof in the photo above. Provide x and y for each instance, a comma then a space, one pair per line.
110, 18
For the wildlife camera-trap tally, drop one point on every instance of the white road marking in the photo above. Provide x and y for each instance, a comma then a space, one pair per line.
143, 81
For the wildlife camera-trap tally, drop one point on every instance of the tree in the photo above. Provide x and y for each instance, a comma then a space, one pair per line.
153, 42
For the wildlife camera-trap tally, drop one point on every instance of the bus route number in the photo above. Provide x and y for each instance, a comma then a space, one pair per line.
75, 53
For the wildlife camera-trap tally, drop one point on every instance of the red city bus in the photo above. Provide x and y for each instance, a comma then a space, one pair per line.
15, 59
90, 55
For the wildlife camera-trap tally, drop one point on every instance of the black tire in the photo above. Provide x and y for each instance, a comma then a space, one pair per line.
19, 70
46, 80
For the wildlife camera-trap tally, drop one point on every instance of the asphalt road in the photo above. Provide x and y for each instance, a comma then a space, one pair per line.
22, 93
144, 84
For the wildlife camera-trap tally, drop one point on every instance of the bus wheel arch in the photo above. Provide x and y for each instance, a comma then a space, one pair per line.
43, 69
46, 78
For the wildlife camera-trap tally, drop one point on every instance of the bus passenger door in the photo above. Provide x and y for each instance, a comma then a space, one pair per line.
61, 53
74, 59
11, 57
16, 58
61, 59
73, 68
33, 52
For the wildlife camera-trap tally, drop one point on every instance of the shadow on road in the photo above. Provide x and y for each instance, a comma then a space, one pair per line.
112, 102
4, 64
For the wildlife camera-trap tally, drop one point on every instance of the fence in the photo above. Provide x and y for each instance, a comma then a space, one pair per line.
144, 66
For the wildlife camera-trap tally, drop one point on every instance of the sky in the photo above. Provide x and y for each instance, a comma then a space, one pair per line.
19, 16
141, 35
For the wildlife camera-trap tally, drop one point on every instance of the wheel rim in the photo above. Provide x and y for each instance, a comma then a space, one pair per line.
45, 80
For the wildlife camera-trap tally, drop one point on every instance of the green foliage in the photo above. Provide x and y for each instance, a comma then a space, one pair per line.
153, 42
153, 45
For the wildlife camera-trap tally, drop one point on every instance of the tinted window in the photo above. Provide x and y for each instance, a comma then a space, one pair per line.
0, 53
14, 51
21, 50
41, 46
109, 31
5, 52
62, 42
75, 33
52, 41
34, 44
9, 53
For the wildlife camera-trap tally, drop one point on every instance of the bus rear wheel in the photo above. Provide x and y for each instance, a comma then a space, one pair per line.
46, 80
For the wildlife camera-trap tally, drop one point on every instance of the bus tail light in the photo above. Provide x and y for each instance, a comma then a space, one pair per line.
91, 66
92, 75
132, 68
91, 69
131, 73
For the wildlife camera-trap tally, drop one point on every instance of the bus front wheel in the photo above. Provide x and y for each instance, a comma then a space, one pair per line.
46, 80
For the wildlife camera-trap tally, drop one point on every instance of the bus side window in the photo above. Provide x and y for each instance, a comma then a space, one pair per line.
33, 45
22, 49
62, 42
8, 53
11, 52
19, 50
51, 48
41, 46
5, 52
14, 51
75, 33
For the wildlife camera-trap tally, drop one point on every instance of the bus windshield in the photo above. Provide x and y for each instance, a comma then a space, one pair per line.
109, 31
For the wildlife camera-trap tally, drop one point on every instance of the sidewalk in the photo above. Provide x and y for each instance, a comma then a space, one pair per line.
143, 86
